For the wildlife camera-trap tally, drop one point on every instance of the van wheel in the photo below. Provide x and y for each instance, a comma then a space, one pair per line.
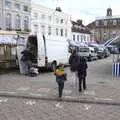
53, 66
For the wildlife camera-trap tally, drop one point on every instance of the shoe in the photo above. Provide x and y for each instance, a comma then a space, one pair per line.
85, 88
80, 90
59, 99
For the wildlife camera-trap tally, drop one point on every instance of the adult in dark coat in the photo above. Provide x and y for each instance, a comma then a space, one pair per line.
82, 73
26, 61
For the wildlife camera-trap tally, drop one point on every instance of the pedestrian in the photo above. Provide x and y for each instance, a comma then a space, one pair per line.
61, 77
74, 62
82, 73
26, 61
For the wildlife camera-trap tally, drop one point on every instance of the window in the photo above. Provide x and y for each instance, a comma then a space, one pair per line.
26, 23
114, 22
77, 37
57, 20
61, 32
7, 4
105, 22
35, 15
0, 20
97, 23
74, 37
57, 32
65, 32
118, 21
35, 28
25, 8
101, 22
61, 21
49, 30
43, 29
84, 38
17, 6
50, 18
8, 21
17, 22
42, 16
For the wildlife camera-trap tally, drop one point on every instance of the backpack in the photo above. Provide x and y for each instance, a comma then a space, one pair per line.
74, 62
61, 76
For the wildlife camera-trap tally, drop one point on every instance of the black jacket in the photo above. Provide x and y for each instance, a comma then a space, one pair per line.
82, 67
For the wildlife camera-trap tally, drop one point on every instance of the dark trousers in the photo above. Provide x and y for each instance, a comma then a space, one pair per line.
82, 80
60, 88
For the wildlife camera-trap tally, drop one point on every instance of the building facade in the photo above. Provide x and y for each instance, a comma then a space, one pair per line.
53, 24
16, 15
105, 28
80, 32
1, 9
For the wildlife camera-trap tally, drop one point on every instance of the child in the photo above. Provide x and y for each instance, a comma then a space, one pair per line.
60, 78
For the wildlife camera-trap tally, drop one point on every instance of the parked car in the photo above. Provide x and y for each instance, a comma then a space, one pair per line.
106, 52
88, 52
100, 52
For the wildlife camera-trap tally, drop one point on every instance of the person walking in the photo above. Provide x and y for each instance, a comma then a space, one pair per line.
74, 62
60, 78
82, 73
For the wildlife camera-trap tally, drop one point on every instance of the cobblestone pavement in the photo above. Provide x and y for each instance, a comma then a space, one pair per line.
34, 98
27, 109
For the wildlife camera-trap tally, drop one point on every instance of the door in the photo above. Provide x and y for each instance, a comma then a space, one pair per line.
41, 50
21, 45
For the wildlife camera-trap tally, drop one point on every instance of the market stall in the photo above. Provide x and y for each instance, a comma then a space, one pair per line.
8, 43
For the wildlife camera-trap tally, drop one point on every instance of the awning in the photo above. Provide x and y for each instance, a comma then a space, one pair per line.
76, 44
109, 42
8, 40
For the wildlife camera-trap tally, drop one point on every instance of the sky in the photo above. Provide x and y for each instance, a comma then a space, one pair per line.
86, 10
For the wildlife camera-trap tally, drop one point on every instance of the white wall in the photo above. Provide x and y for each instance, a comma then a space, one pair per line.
40, 10
13, 11
83, 37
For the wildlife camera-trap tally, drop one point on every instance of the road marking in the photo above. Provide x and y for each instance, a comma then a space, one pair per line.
30, 102
67, 92
37, 95
8, 92
58, 105
70, 97
44, 90
23, 88
106, 99
3, 100
87, 107
89, 92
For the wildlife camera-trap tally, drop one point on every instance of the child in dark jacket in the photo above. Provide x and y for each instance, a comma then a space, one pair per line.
60, 78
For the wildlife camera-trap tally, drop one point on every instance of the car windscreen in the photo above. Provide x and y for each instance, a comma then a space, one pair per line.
83, 49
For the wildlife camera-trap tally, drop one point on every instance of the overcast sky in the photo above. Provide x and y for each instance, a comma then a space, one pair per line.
87, 10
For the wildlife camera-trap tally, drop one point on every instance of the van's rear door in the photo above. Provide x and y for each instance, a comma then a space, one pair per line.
41, 51
21, 45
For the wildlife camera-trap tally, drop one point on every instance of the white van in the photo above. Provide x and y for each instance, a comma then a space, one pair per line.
88, 52
47, 53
